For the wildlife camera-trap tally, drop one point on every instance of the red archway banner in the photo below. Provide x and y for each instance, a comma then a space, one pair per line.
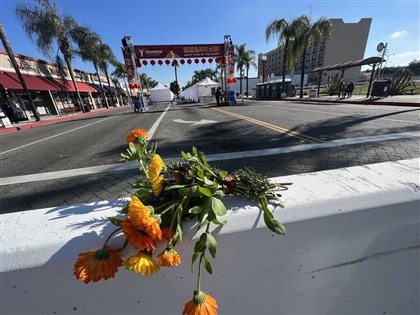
179, 51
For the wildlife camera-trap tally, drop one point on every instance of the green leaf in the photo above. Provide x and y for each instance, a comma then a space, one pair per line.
209, 182
205, 191
132, 147
217, 222
273, 224
195, 210
207, 265
202, 158
193, 259
200, 246
185, 155
218, 207
223, 174
115, 221
194, 150
211, 244
175, 187
125, 209
188, 191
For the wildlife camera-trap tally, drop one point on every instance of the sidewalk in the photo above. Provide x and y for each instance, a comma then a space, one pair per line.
51, 119
397, 100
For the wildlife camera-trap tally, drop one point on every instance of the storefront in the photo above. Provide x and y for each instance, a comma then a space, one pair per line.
50, 93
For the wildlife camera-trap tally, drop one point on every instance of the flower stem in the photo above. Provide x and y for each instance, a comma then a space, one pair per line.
199, 273
109, 237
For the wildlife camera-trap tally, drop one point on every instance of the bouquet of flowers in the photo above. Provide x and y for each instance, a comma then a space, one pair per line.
167, 195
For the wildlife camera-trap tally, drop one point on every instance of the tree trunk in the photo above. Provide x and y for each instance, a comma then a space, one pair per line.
73, 79
102, 88
302, 73
11, 55
247, 72
109, 84
286, 47
240, 82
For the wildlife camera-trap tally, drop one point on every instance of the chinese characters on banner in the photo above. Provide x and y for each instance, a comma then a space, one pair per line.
179, 51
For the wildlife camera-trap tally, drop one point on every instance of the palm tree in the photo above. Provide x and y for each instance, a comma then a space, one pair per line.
307, 32
106, 56
200, 75
91, 48
239, 58
11, 55
286, 33
248, 60
46, 26
120, 72
244, 59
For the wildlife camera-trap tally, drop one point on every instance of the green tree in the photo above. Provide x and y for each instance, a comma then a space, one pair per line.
240, 51
120, 73
11, 55
48, 29
286, 32
88, 49
107, 57
200, 75
249, 60
307, 32
174, 87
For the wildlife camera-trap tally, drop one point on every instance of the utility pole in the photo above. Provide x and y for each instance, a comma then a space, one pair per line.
11, 55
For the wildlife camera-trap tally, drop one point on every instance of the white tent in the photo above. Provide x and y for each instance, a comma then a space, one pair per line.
199, 90
161, 93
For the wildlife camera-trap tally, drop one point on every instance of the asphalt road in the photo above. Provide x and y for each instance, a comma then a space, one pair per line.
276, 138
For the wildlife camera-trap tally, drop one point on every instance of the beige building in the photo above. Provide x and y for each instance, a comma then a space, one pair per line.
347, 42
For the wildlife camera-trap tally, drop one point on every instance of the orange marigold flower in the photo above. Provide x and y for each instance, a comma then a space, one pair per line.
169, 258
201, 303
157, 185
143, 264
96, 265
155, 167
136, 133
138, 212
167, 233
152, 228
136, 237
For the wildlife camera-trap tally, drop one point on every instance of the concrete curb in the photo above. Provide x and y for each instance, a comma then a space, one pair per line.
352, 246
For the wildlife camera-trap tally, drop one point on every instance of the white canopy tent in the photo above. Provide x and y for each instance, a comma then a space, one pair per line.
199, 90
161, 94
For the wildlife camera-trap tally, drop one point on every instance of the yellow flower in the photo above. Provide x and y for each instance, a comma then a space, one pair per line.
155, 167
201, 304
157, 185
143, 264
136, 237
169, 258
138, 212
96, 265
136, 133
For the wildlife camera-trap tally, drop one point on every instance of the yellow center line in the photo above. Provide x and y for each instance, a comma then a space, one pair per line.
272, 127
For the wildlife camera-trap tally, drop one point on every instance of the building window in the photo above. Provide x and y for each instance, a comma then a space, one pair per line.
319, 63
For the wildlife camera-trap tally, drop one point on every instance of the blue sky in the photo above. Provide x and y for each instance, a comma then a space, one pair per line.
161, 22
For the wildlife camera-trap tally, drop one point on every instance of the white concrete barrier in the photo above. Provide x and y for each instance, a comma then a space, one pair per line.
352, 246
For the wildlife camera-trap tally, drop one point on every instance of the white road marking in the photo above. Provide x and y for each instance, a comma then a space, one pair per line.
153, 129
195, 123
211, 157
338, 114
57, 135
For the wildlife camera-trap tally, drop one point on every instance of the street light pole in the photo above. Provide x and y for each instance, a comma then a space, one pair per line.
263, 60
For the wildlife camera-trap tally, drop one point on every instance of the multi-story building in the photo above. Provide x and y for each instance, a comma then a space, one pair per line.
347, 42
49, 92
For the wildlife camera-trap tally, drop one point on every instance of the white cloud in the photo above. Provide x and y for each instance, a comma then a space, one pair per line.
398, 34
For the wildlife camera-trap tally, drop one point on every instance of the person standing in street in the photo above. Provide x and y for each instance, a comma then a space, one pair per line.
218, 95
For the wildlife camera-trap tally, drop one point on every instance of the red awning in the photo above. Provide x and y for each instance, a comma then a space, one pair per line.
69, 87
9, 80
